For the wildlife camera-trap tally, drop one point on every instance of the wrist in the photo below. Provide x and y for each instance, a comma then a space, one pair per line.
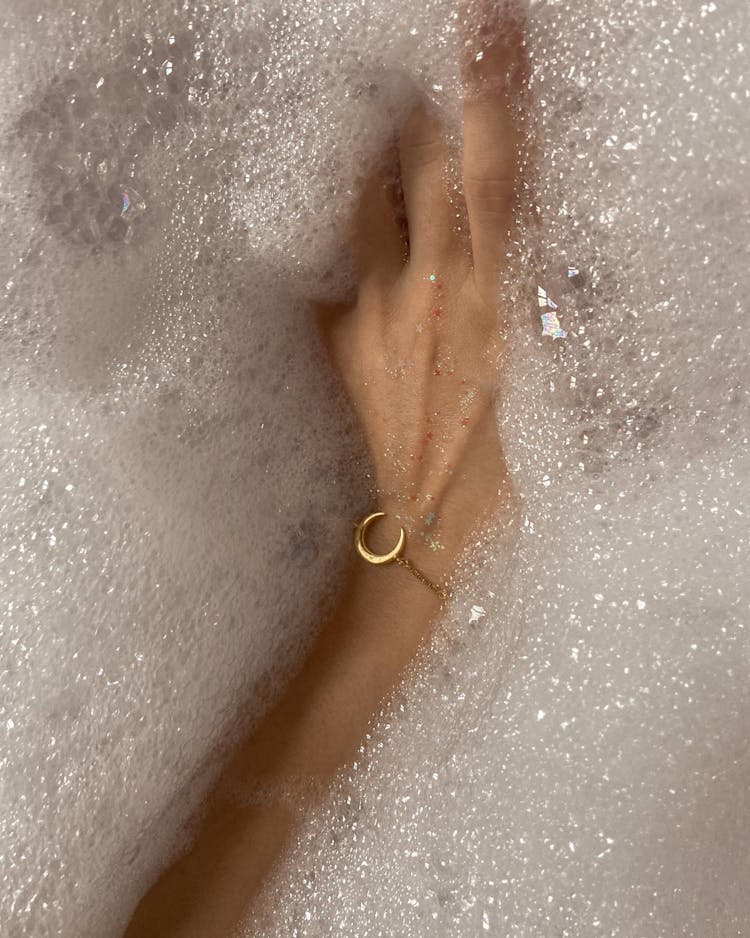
429, 555
438, 531
439, 511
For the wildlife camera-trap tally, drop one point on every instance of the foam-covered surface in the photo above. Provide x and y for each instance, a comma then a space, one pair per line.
179, 471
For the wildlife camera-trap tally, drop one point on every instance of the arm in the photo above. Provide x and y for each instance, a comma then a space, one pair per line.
418, 355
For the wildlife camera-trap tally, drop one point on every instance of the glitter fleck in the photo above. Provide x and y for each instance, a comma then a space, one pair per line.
544, 299
432, 542
132, 202
551, 326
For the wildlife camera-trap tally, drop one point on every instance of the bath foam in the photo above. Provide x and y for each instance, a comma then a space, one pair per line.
572, 759
180, 470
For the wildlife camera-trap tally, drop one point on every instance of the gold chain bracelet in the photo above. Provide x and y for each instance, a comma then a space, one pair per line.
392, 555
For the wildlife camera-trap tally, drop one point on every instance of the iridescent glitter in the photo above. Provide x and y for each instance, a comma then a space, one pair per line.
131, 202
550, 323
432, 542
544, 300
551, 326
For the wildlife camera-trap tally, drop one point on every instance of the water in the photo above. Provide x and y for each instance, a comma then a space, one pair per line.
180, 470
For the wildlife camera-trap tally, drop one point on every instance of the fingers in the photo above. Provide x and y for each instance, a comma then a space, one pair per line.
379, 241
490, 151
424, 160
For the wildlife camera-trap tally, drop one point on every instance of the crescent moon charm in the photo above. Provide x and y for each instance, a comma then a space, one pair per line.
364, 551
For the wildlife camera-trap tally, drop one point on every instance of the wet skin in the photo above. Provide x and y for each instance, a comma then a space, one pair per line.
418, 353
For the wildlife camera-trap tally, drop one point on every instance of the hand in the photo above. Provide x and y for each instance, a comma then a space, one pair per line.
418, 349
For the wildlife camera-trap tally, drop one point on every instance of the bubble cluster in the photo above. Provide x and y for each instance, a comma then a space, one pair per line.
180, 469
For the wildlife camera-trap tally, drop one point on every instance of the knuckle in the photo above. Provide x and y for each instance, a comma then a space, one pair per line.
423, 151
490, 194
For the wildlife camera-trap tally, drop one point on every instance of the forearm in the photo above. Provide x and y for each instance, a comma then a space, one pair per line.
359, 656
317, 725
383, 616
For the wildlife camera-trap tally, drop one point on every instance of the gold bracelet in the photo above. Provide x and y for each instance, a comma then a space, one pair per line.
394, 554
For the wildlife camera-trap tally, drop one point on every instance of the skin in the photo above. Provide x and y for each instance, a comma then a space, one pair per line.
418, 358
